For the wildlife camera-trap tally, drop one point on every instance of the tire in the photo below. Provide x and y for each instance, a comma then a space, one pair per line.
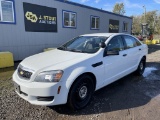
141, 67
81, 92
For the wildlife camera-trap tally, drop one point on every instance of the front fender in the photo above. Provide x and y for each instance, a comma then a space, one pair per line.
74, 75
76, 72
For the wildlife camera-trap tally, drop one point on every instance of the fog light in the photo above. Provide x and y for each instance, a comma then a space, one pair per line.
50, 98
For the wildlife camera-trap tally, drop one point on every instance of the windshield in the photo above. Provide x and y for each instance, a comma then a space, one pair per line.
85, 44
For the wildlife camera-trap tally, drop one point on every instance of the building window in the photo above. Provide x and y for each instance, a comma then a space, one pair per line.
95, 22
69, 19
125, 26
7, 11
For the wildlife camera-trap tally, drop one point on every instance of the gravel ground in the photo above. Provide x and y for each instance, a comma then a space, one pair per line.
130, 98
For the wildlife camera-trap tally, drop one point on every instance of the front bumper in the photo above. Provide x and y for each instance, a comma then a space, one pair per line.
32, 91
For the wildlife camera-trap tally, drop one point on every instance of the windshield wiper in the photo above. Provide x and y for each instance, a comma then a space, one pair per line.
62, 48
67, 49
75, 50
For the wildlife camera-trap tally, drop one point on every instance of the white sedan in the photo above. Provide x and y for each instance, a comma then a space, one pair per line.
71, 73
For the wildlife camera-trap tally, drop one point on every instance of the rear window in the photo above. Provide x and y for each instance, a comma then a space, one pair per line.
131, 42
137, 42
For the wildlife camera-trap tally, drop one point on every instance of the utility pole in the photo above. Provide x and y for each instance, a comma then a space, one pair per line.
155, 21
144, 14
144, 25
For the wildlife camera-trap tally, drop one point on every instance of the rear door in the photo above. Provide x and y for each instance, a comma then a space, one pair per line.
134, 52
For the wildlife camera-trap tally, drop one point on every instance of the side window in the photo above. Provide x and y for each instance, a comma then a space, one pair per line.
95, 22
125, 26
7, 12
69, 19
115, 44
137, 42
130, 42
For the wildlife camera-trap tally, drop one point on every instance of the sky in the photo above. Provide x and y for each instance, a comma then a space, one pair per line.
132, 7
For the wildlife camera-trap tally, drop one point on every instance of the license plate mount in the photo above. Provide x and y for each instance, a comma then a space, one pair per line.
17, 88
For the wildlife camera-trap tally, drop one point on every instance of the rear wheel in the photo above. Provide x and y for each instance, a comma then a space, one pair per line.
141, 67
81, 92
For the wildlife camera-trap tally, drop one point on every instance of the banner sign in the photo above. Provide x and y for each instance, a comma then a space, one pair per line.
39, 18
113, 26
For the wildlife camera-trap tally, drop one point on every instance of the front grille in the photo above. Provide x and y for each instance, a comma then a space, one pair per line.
23, 73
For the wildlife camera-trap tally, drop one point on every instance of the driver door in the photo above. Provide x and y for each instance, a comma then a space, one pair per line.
114, 64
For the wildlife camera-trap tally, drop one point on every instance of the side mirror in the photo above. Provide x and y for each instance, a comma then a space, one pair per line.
102, 45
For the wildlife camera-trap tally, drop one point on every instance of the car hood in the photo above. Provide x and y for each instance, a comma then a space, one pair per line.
52, 58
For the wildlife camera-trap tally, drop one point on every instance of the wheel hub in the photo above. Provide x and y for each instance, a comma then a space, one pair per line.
141, 66
83, 92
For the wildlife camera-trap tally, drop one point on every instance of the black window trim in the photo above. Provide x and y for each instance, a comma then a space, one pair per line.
124, 42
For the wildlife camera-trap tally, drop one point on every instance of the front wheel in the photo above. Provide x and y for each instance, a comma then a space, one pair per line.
141, 67
81, 92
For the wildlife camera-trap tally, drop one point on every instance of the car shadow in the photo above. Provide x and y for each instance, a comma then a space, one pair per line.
129, 92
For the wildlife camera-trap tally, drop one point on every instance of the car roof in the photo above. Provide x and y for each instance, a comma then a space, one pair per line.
103, 34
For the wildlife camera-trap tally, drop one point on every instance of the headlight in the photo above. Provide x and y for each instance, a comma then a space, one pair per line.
49, 76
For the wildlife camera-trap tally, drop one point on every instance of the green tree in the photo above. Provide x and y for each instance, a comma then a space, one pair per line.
152, 18
119, 8
157, 27
136, 24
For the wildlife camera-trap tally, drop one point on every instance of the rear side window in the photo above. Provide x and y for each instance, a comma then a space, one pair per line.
130, 42
137, 42
115, 44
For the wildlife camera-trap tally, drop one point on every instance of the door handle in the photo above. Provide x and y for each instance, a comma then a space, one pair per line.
124, 55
